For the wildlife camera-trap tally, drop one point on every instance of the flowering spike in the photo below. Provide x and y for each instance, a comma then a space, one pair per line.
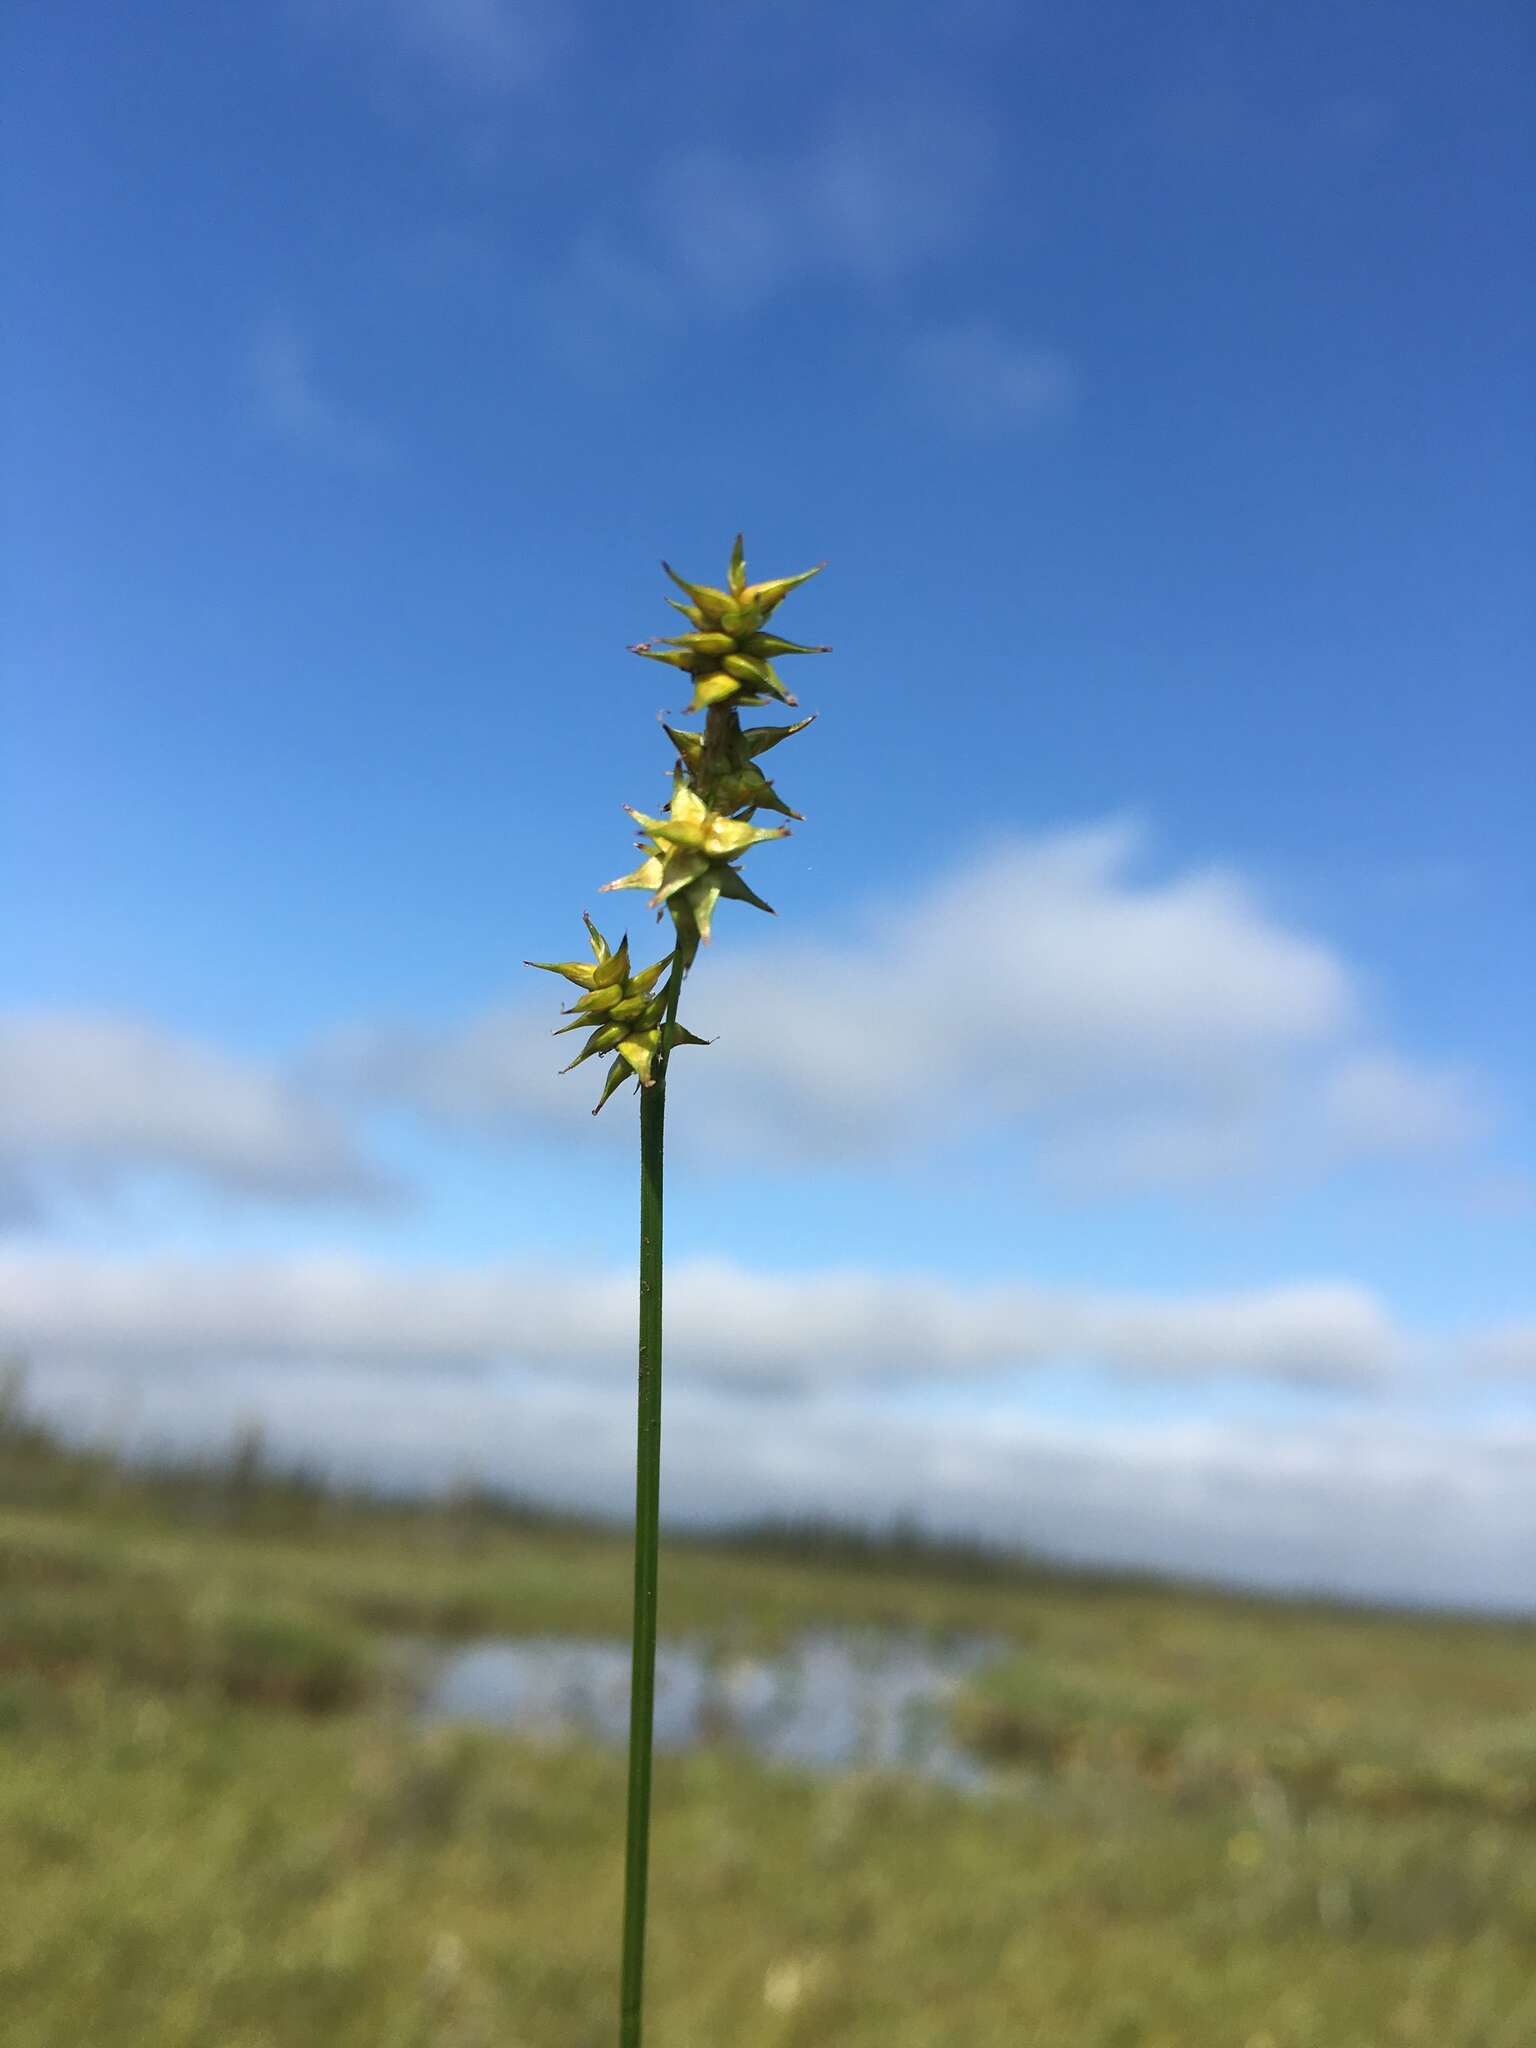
620, 1011
720, 767
689, 854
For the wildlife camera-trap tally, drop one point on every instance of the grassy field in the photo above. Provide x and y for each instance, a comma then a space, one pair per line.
1220, 1823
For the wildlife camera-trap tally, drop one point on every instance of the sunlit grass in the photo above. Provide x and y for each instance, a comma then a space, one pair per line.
185, 1873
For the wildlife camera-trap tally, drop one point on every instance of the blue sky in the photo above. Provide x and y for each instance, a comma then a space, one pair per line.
1125, 1133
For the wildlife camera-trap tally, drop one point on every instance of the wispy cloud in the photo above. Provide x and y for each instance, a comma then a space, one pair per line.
863, 197
89, 1102
480, 45
1381, 1103
292, 404
873, 194
607, 310
476, 48
1146, 1030
983, 382
1220, 115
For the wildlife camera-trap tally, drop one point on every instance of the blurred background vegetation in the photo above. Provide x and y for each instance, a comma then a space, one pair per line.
1211, 1819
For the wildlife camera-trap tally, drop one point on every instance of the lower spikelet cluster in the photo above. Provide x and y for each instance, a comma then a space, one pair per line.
690, 854
624, 1014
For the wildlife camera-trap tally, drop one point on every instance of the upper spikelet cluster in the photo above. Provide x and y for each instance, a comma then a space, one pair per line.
728, 654
689, 854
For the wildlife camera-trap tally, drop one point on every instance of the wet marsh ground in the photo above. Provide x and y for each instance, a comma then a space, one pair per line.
1214, 1822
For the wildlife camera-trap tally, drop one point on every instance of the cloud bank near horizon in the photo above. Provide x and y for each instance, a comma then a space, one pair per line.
726, 1323
1382, 1508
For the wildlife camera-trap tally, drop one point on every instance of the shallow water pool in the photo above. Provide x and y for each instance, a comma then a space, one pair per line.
831, 1699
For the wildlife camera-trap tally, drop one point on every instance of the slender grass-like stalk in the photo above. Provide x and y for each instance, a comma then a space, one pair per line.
642, 1695
689, 867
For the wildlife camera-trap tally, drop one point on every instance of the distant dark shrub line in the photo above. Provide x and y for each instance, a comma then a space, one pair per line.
248, 1487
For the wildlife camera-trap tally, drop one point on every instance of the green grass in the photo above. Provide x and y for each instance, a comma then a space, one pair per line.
1225, 1823
1315, 1709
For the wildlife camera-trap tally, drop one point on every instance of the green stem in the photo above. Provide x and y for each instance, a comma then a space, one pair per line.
642, 1693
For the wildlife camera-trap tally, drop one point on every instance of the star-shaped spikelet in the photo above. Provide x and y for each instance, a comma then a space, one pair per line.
690, 856
728, 654
622, 1010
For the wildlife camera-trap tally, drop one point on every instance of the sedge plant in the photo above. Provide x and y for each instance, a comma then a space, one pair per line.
689, 864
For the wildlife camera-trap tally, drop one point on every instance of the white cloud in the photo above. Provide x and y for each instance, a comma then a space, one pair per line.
608, 308
1382, 1507
20, 1206
864, 197
292, 405
983, 381
724, 1323
1379, 1102
474, 48
1508, 1352
497, 1073
873, 194
479, 45
87, 1101
1141, 1031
